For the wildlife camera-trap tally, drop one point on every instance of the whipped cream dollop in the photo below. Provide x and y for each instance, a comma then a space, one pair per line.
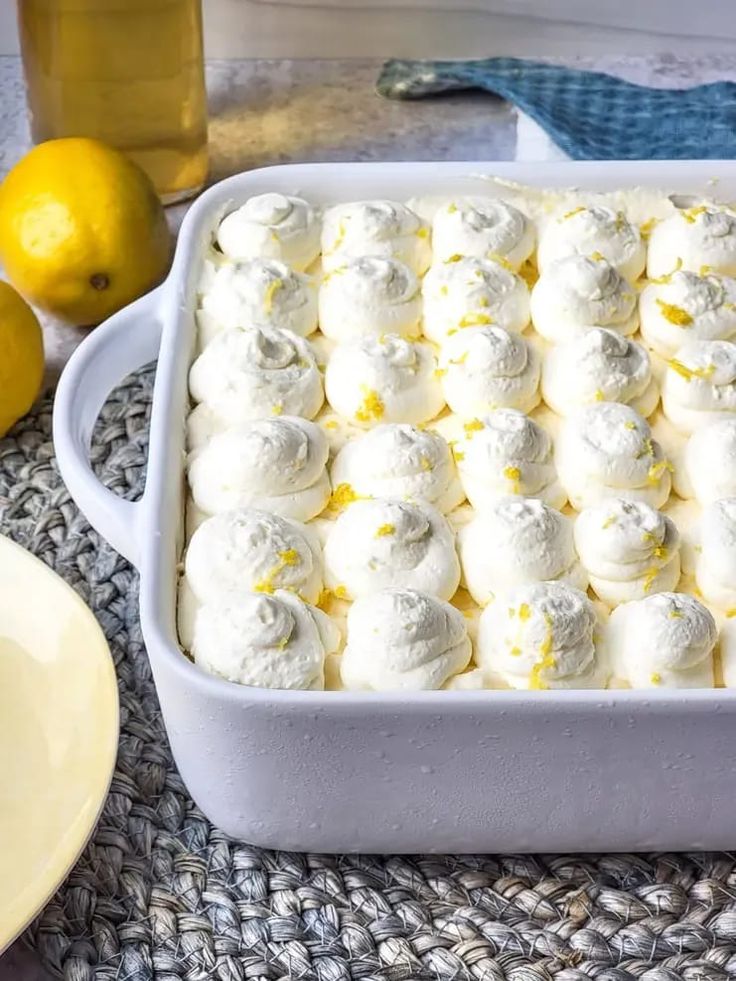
516, 540
276, 464
709, 463
483, 227
699, 384
684, 306
540, 636
383, 379
484, 368
662, 641
579, 292
399, 461
375, 228
598, 365
272, 226
715, 567
257, 293
252, 551
244, 375
505, 452
607, 450
472, 292
370, 295
380, 543
405, 640
693, 238
267, 641
629, 549
594, 230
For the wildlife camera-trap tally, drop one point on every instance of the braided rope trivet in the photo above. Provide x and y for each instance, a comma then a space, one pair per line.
160, 895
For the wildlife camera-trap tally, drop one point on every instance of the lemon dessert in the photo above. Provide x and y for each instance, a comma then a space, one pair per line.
475, 443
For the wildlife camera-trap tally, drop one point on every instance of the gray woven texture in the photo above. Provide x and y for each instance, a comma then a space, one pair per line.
160, 894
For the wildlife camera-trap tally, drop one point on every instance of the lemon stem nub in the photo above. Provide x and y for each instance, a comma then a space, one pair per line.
99, 281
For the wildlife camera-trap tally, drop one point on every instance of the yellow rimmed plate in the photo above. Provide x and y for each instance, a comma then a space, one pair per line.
58, 733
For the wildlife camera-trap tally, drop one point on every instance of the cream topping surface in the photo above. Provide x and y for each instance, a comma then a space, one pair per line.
693, 238
700, 384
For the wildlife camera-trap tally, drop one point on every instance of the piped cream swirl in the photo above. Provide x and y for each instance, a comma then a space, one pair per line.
272, 226
663, 641
383, 379
540, 636
517, 540
483, 227
578, 292
244, 375
403, 640
370, 295
629, 549
709, 463
257, 293
381, 543
715, 569
276, 465
594, 229
505, 452
700, 384
399, 461
472, 292
693, 238
598, 365
252, 551
375, 228
607, 450
485, 368
686, 306
267, 641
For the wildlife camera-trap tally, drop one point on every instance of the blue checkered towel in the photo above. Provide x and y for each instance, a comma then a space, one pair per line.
589, 115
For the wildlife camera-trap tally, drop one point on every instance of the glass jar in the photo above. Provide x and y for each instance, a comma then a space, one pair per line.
128, 72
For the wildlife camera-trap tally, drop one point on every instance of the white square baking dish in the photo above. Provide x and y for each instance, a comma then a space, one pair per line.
437, 771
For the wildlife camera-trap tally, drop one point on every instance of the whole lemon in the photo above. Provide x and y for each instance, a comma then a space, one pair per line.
21, 357
82, 231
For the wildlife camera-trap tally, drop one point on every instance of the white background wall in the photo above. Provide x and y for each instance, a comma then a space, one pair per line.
452, 28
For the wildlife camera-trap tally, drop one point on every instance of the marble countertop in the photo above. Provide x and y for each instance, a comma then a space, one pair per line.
266, 112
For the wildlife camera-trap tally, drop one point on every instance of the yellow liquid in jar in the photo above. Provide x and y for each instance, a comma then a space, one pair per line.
129, 72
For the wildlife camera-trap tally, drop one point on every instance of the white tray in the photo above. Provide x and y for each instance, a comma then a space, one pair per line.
436, 771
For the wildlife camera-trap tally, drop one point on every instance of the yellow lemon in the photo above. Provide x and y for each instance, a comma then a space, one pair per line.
21, 357
82, 231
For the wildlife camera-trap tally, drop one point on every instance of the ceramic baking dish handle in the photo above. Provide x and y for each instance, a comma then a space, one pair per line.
120, 345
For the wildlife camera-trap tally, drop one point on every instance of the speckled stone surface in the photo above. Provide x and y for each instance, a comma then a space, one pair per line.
288, 111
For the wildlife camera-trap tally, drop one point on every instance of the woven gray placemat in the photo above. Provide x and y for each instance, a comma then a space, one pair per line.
160, 895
